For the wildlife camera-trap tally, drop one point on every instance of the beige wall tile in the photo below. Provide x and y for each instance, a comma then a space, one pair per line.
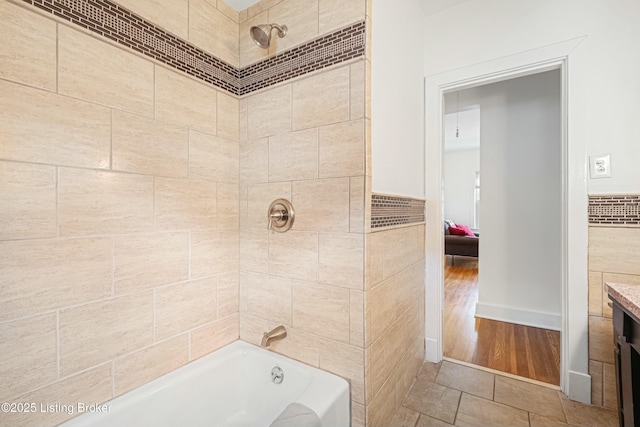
381, 301
595, 293
228, 209
259, 199
346, 361
269, 297
92, 202
37, 126
321, 205
357, 204
357, 415
143, 261
382, 408
47, 274
254, 161
252, 328
294, 254
261, 6
214, 252
28, 49
249, 51
94, 385
244, 207
184, 203
596, 372
605, 250
254, 250
228, 113
293, 156
213, 158
242, 113
356, 318
402, 247
185, 306
376, 249
243, 15
173, 16
212, 336
336, 13
94, 333
146, 365
228, 294
147, 146
213, 31
342, 260
321, 310
223, 7
301, 16
628, 279
269, 112
93, 70
184, 101
28, 194
357, 87
600, 339
29, 354
299, 345
342, 149
609, 391
321, 99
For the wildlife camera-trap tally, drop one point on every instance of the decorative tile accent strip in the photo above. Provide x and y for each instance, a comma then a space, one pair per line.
334, 48
615, 209
124, 27
392, 210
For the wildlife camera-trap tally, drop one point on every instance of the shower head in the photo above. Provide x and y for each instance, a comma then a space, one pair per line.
261, 34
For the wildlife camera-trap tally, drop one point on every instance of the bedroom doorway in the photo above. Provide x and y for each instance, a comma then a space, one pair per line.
494, 315
574, 378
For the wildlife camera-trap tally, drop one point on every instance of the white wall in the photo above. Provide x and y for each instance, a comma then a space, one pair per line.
480, 30
520, 245
397, 107
459, 184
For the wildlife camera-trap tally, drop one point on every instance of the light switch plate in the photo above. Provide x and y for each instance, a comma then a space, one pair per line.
600, 166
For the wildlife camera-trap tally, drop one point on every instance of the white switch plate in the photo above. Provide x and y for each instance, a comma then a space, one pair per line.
600, 166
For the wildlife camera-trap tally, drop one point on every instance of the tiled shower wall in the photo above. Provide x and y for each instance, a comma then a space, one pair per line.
394, 306
305, 140
614, 256
119, 216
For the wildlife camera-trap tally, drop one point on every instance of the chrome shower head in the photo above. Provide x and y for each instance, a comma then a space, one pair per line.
261, 34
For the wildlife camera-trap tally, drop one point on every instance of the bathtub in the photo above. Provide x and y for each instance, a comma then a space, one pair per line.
231, 387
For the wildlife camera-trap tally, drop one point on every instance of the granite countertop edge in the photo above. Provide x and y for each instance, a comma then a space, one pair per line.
628, 296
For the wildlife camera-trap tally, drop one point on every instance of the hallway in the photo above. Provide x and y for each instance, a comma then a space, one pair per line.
448, 393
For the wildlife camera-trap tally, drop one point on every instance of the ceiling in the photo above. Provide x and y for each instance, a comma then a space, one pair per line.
429, 6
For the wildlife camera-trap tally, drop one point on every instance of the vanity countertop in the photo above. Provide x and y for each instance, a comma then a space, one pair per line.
628, 296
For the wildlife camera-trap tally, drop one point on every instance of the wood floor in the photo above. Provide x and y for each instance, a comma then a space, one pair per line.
520, 350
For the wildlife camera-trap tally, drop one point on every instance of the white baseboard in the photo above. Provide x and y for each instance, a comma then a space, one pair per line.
519, 316
579, 387
431, 350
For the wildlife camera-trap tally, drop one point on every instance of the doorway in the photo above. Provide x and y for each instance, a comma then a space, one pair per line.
510, 131
574, 378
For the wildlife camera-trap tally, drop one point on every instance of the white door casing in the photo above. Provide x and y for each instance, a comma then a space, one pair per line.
570, 57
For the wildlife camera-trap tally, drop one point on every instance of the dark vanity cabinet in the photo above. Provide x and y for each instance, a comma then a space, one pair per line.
626, 333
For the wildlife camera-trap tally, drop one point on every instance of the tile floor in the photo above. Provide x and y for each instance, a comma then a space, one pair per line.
448, 393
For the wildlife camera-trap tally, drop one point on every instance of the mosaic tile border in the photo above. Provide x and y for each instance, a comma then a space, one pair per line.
388, 211
615, 210
111, 20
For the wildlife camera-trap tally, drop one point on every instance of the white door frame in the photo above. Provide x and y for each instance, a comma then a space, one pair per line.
570, 57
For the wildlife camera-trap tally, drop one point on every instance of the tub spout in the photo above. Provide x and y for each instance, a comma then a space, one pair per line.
275, 334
